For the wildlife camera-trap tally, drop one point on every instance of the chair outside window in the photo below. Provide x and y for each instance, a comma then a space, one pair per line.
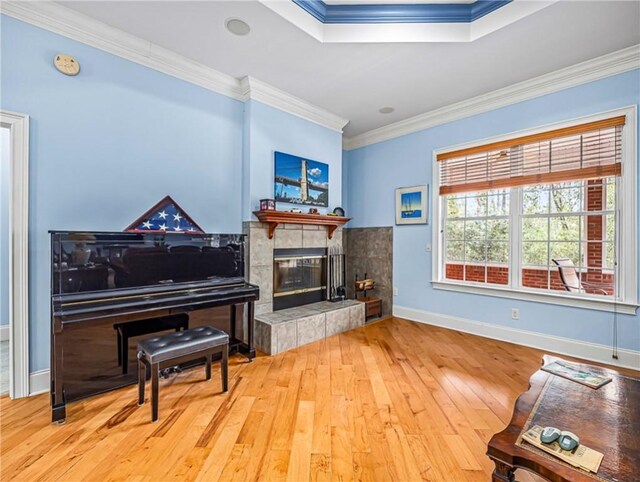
571, 279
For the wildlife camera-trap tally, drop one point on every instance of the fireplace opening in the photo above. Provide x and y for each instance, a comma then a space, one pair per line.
299, 277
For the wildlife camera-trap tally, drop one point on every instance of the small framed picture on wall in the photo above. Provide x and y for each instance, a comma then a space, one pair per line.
411, 205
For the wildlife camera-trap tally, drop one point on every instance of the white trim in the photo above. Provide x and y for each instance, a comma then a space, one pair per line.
4, 332
82, 28
505, 16
437, 219
39, 382
605, 66
515, 236
628, 285
255, 89
297, 16
77, 26
556, 344
627, 194
18, 124
404, 32
542, 297
396, 33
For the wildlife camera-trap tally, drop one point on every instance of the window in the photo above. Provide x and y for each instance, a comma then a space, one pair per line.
569, 220
511, 209
477, 236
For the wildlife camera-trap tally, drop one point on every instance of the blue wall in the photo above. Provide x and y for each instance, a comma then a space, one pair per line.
373, 172
109, 143
267, 130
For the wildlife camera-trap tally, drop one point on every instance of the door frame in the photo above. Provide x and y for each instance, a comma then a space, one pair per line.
18, 125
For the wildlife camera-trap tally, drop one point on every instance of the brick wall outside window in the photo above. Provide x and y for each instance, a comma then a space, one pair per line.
495, 274
532, 277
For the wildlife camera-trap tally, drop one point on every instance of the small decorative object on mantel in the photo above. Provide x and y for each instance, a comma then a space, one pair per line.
411, 205
338, 211
267, 204
295, 210
165, 216
313, 211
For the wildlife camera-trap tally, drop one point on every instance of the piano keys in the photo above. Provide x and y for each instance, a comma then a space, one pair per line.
109, 289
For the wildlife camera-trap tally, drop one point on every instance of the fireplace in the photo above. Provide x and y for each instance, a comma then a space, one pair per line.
299, 277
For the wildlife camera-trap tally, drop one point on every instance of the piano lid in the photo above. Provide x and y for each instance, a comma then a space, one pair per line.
92, 262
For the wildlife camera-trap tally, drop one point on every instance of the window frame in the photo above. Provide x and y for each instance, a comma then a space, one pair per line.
626, 300
486, 218
616, 183
582, 240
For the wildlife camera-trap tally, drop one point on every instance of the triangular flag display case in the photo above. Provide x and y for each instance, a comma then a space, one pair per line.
165, 217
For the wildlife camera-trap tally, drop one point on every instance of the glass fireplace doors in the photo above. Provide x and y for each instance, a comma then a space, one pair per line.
299, 277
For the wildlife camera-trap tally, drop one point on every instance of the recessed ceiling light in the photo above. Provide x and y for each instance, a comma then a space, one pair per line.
386, 110
237, 26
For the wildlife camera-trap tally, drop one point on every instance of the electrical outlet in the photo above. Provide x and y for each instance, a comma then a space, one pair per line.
515, 314
395, 291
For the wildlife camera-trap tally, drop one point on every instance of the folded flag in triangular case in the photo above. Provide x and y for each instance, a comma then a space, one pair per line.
166, 216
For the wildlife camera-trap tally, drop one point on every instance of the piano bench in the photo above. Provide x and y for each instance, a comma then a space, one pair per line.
129, 329
172, 349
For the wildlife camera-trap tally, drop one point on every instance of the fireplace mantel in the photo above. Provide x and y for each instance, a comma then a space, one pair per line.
273, 218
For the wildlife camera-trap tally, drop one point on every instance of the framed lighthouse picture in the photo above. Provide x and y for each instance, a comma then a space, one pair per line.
300, 181
411, 205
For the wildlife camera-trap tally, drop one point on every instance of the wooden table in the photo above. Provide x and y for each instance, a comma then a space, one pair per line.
606, 420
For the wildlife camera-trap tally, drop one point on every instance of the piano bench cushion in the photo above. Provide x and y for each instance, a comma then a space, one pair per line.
181, 343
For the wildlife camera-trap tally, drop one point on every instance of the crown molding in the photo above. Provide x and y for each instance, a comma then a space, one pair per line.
418, 25
82, 28
400, 13
89, 31
605, 66
255, 89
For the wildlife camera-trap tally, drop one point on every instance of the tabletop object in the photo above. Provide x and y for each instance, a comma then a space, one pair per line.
606, 419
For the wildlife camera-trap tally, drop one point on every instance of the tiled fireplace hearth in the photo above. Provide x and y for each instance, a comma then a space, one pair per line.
283, 329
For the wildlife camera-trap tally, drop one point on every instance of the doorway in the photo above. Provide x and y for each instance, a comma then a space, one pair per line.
5, 157
14, 243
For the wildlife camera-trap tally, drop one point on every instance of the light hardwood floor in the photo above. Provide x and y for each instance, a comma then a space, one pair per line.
394, 400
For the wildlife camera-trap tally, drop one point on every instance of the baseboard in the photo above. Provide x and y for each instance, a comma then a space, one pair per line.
39, 382
564, 346
4, 332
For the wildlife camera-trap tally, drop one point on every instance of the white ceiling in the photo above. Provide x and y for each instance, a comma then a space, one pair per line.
355, 80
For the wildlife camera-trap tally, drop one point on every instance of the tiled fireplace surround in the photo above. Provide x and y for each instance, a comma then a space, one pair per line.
286, 329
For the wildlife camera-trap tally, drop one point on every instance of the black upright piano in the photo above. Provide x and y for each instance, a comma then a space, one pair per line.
111, 289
